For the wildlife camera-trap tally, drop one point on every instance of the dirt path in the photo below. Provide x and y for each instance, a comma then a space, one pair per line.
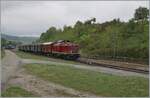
10, 63
89, 67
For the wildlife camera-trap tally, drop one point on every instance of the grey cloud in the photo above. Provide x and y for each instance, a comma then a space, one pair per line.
31, 18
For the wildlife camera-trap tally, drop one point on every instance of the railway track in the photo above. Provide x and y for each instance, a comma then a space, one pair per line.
93, 63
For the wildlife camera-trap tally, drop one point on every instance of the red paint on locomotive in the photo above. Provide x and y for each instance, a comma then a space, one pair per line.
47, 47
65, 47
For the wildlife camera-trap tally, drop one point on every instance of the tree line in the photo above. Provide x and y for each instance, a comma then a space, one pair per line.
111, 39
5, 43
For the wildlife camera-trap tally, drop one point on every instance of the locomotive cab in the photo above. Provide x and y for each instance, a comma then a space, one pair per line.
66, 49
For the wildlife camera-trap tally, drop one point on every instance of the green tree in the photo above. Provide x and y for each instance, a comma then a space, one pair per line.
141, 13
3, 42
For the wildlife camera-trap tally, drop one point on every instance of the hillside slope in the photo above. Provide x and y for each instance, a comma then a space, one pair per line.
24, 40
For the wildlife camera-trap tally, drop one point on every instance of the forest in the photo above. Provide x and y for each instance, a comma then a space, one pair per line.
112, 39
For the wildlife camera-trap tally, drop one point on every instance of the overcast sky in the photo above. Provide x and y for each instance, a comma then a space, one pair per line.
31, 18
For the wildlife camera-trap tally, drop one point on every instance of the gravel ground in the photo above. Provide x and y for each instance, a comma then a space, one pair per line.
118, 63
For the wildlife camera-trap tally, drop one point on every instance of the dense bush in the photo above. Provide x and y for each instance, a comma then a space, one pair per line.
111, 39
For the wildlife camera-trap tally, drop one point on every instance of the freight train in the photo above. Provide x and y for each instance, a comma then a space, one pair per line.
62, 49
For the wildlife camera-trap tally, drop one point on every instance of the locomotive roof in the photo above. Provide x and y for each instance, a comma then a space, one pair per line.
59, 41
46, 43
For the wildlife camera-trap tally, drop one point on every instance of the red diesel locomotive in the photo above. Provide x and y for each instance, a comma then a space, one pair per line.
62, 48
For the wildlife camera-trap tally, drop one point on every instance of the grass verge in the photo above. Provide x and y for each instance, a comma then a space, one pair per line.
16, 91
90, 81
26, 55
2, 53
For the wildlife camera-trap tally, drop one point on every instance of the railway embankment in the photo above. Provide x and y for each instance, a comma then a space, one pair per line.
107, 66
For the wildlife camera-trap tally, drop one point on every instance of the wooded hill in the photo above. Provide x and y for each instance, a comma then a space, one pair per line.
23, 40
112, 39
